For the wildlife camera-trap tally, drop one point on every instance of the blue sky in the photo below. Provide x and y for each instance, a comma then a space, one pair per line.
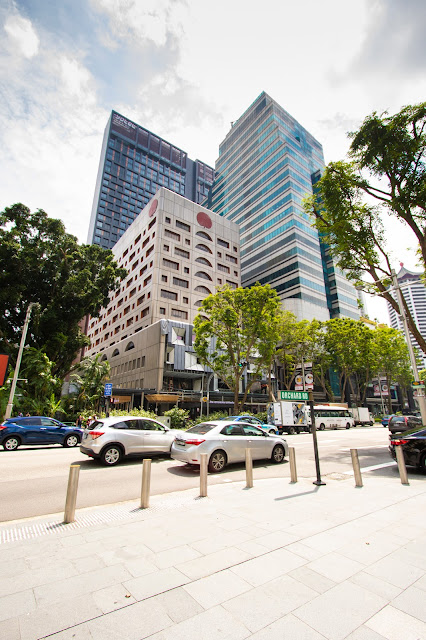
185, 69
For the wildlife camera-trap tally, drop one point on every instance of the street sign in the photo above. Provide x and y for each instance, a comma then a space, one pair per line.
4, 363
108, 389
419, 384
294, 395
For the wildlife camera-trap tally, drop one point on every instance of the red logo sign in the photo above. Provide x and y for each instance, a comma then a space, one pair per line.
4, 362
153, 208
204, 220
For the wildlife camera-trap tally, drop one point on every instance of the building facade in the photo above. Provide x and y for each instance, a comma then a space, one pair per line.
134, 164
414, 292
176, 253
268, 163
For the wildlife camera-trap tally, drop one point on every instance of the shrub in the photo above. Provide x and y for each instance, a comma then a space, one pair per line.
179, 418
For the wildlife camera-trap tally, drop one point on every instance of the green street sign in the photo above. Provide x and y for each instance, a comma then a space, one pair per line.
294, 395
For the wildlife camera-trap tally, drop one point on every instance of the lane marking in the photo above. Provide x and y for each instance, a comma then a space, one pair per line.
372, 468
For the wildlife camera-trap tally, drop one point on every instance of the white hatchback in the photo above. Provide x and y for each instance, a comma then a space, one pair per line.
110, 439
226, 441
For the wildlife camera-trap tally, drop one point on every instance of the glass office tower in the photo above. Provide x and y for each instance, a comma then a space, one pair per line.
267, 164
134, 164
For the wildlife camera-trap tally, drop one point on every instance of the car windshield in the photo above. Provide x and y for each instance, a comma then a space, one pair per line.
201, 428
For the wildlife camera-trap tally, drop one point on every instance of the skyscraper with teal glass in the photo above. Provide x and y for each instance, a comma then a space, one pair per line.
267, 164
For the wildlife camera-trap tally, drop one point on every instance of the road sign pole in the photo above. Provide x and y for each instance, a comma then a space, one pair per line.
318, 481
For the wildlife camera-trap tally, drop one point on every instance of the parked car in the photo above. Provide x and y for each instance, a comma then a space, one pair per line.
37, 430
225, 442
252, 420
413, 445
110, 439
399, 424
386, 418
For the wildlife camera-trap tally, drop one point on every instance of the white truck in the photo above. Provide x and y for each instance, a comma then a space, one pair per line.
362, 416
289, 417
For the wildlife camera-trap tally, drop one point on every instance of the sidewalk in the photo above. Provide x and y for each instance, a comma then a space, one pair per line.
278, 561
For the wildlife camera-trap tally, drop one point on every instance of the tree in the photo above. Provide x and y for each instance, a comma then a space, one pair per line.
236, 327
392, 358
386, 173
41, 387
90, 377
40, 262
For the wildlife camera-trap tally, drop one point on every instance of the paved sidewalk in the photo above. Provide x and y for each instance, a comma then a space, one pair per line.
278, 561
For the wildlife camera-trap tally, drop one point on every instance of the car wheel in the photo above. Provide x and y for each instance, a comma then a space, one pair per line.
422, 465
71, 441
217, 461
11, 443
322, 427
291, 431
111, 455
348, 426
278, 454
272, 432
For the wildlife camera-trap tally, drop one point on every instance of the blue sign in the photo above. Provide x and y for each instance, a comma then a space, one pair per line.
108, 389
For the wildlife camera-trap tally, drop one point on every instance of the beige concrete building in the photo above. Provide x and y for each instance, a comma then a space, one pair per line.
176, 253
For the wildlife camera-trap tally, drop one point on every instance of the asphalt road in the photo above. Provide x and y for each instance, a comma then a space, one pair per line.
33, 480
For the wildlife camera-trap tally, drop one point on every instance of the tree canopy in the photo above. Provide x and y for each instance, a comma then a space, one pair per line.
40, 262
385, 174
235, 328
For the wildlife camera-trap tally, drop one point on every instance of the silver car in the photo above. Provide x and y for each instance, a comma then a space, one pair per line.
225, 441
110, 439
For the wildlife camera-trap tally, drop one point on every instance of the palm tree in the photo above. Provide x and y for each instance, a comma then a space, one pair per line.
90, 377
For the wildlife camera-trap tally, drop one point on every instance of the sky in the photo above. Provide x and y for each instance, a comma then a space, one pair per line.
186, 69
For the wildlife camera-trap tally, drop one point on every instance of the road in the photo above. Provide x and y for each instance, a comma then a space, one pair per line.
33, 480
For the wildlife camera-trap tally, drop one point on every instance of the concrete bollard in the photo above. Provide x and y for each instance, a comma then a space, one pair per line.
401, 464
146, 483
292, 458
70, 502
249, 469
356, 468
203, 475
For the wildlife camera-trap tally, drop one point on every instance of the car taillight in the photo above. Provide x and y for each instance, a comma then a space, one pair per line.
196, 442
96, 434
398, 442
3, 427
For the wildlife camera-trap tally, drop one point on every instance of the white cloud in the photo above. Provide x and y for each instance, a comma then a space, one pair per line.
22, 35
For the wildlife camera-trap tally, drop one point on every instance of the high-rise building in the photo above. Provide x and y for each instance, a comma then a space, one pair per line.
414, 292
176, 253
134, 164
267, 164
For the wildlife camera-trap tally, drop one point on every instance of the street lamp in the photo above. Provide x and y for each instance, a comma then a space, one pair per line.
18, 361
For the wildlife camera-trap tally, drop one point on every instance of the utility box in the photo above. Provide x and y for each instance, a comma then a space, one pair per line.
166, 420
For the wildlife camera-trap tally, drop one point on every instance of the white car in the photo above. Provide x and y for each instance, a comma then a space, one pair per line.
226, 441
110, 439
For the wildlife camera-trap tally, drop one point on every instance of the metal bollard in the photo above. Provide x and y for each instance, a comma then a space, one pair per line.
401, 464
146, 483
203, 475
249, 469
292, 458
69, 515
356, 468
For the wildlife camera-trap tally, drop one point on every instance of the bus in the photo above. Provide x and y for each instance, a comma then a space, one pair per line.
332, 417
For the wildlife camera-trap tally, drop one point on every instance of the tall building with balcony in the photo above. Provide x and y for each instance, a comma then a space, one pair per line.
414, 292
134, 164
176, 253
268, 163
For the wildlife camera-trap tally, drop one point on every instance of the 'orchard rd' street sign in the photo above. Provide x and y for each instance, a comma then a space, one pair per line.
294, 395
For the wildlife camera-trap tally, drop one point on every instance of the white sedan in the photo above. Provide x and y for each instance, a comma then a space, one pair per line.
226, 442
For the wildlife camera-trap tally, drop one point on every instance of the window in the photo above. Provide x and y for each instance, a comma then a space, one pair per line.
204, 261
179, 282
163, 278
183, 225
185, 300
222, 267
167, 220
186, 269
223, 243
181, 252
141, 299
147, 280
162, 311
172, 235
145, 312
231, 259
171, 295
166, 247
177, 313
203, 234
203, 247
202, 289
203, 274
115, 353
187, 241
129, 346
171, 264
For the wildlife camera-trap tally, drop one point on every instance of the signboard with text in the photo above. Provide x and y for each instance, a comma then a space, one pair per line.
294, 395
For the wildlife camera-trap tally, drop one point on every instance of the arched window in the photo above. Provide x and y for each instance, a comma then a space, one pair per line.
203, 247
115, 353
104, 358
203, 274
129, 346
202, 289
204, 261
204, 235
198, 303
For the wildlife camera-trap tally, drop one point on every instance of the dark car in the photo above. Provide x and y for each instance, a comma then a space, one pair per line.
37, 430
413, 445
399, 424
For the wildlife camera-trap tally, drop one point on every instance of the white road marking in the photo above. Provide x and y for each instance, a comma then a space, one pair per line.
373, 468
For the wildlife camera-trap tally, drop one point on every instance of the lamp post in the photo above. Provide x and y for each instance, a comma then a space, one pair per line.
18, 361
